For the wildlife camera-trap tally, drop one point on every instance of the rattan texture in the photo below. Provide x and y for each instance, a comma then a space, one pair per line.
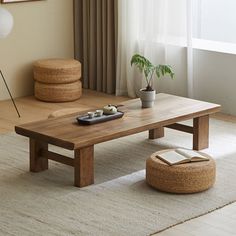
184, 178
57, 71
58, 92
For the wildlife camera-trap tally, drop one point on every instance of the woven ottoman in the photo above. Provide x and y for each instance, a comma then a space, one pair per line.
184, 178
57, 80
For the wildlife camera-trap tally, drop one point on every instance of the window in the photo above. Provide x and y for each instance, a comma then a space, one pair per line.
167, 21
213, 25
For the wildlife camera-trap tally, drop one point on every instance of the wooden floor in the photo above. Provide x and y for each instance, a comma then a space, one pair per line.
31, 109
221, 222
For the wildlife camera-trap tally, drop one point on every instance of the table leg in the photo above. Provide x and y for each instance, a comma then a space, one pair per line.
156, 133
37, 161
84, 166
201, 132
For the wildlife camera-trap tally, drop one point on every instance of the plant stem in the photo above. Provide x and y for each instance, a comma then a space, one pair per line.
146, 81
150, 79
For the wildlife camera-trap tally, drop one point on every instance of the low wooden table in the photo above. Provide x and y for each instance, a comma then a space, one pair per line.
65, 132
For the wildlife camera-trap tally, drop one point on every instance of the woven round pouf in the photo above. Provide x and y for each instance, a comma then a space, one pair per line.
183, 178
57, 80
57, 71
58, 92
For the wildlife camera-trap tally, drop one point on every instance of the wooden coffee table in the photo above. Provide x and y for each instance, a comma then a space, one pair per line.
65, 132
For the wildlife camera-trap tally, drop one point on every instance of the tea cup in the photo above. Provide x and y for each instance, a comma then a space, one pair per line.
91, 114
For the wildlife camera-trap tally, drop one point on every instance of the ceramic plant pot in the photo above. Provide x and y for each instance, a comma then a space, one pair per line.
147, 98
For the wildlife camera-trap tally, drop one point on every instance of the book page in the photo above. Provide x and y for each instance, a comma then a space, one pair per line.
189, 153
172, 157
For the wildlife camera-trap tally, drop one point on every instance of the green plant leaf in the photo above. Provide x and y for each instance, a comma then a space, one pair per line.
164, 70
148, 69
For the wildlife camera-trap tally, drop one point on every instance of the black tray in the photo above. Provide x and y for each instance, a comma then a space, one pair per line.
85, 120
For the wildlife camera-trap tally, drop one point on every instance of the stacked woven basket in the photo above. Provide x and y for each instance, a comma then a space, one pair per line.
57, 80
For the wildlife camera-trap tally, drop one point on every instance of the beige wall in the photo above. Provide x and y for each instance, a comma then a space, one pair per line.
42, 29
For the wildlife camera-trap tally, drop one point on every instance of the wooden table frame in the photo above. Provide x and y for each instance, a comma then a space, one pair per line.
200, 131
83, 161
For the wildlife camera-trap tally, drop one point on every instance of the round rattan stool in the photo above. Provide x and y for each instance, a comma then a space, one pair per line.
57, 71
184, 178
57, 80
58, 92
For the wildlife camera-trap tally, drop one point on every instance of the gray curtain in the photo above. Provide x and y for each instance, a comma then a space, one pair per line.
95, 46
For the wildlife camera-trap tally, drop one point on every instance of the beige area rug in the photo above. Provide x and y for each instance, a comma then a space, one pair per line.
120, 203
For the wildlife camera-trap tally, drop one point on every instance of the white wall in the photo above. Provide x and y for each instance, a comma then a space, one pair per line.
42, 29
177, 58
215, 79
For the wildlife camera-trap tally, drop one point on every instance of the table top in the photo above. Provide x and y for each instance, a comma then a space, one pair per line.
67, 133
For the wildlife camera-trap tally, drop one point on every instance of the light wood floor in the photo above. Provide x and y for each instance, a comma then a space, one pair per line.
31, 109
221, 222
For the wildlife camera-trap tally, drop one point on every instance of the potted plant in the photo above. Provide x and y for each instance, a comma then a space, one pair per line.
148, 94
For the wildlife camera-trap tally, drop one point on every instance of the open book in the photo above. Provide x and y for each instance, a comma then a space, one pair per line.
180, 156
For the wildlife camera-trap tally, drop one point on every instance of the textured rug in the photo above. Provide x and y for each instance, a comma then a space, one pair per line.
120, 203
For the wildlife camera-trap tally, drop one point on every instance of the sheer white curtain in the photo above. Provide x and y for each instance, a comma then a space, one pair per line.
151, 28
